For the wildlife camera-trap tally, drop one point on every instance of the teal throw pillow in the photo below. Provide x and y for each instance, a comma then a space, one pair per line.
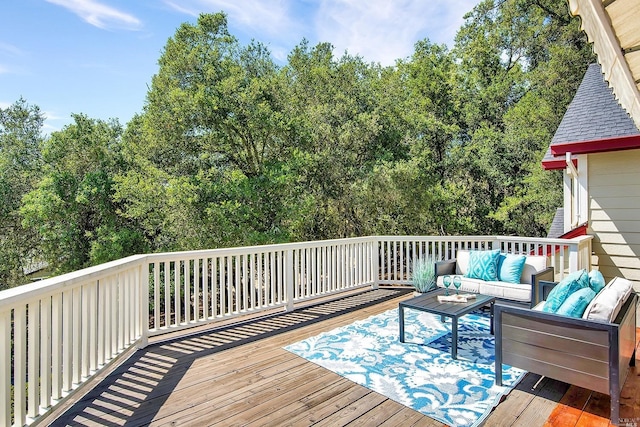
483, 265
596, 281
573, 282
510, 267
576, 303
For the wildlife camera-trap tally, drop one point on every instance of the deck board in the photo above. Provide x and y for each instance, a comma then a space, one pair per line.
241, 375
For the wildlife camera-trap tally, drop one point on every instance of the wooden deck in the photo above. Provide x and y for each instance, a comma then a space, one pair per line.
240, 375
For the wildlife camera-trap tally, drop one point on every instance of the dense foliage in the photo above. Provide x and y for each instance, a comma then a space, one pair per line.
233, 149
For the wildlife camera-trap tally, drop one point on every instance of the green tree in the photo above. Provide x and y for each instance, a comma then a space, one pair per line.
72, 206
20, 162
342, 130
404, 194
520, 64
212, 159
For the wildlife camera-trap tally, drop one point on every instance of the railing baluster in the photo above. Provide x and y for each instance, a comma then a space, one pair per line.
103, 313
166, 288
246, 296
196, 290
5, 368
45, 353
289, 276
215, 287
19, 363
156, 295
114, 284
95, 309
186, 288
222, 286
87, 311
272, 278
205, 289
33, 353
297, 262
128, 303
237, 287
177, 312
76, 343
229, 286
56, 346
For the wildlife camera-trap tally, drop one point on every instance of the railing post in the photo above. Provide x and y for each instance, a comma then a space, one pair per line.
573, 257
5, 368
143, 283
288, 278
586, 255
375, 262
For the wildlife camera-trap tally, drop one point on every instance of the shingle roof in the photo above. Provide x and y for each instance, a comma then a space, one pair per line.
594, 114
556, 229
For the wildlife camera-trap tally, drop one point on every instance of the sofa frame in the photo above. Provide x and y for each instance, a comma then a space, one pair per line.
546, 275
590, 354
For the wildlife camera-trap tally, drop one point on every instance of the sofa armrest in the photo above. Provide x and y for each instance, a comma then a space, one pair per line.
544, 287
557, 347
445, 267
545, 275
536, 320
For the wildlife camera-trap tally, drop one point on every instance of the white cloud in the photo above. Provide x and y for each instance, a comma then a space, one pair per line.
4, 105
10, 49
54, 122
100, 15
49, 115
383, 31
267, 16
378, 30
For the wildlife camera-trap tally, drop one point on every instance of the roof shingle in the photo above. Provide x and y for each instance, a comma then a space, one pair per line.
594, 114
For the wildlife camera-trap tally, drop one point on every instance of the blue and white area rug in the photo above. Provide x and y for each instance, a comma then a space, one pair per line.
419, 373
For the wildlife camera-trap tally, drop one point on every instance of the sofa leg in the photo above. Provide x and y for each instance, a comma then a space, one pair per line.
615, 409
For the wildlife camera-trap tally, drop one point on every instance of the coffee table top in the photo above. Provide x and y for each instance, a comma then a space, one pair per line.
429, 303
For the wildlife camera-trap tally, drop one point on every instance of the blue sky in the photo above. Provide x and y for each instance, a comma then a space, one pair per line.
97, 57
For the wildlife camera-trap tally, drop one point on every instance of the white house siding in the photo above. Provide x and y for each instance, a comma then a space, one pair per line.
614, 210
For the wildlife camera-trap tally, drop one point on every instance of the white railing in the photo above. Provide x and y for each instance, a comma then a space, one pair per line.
396, 253
192, 288
57, 333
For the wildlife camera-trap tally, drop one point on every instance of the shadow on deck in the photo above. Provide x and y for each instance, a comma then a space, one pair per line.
134, 392
240, 375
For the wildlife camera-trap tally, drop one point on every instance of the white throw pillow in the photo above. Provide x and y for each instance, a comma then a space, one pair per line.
532, 265
607, 304
462, 261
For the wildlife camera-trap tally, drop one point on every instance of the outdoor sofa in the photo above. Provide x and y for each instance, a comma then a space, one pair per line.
591, 351
519, 286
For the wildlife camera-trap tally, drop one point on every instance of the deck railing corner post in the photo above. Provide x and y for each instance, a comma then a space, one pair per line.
573, 257
289, 275
144, 302
375, 263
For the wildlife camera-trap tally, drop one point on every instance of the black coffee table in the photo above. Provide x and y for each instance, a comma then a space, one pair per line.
454, 310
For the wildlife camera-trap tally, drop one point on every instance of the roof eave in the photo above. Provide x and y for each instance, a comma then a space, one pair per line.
556, 164
601, 33
618, 143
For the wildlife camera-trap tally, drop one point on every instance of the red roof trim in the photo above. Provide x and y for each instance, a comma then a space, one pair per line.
557, 164
597, 146
580, 230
